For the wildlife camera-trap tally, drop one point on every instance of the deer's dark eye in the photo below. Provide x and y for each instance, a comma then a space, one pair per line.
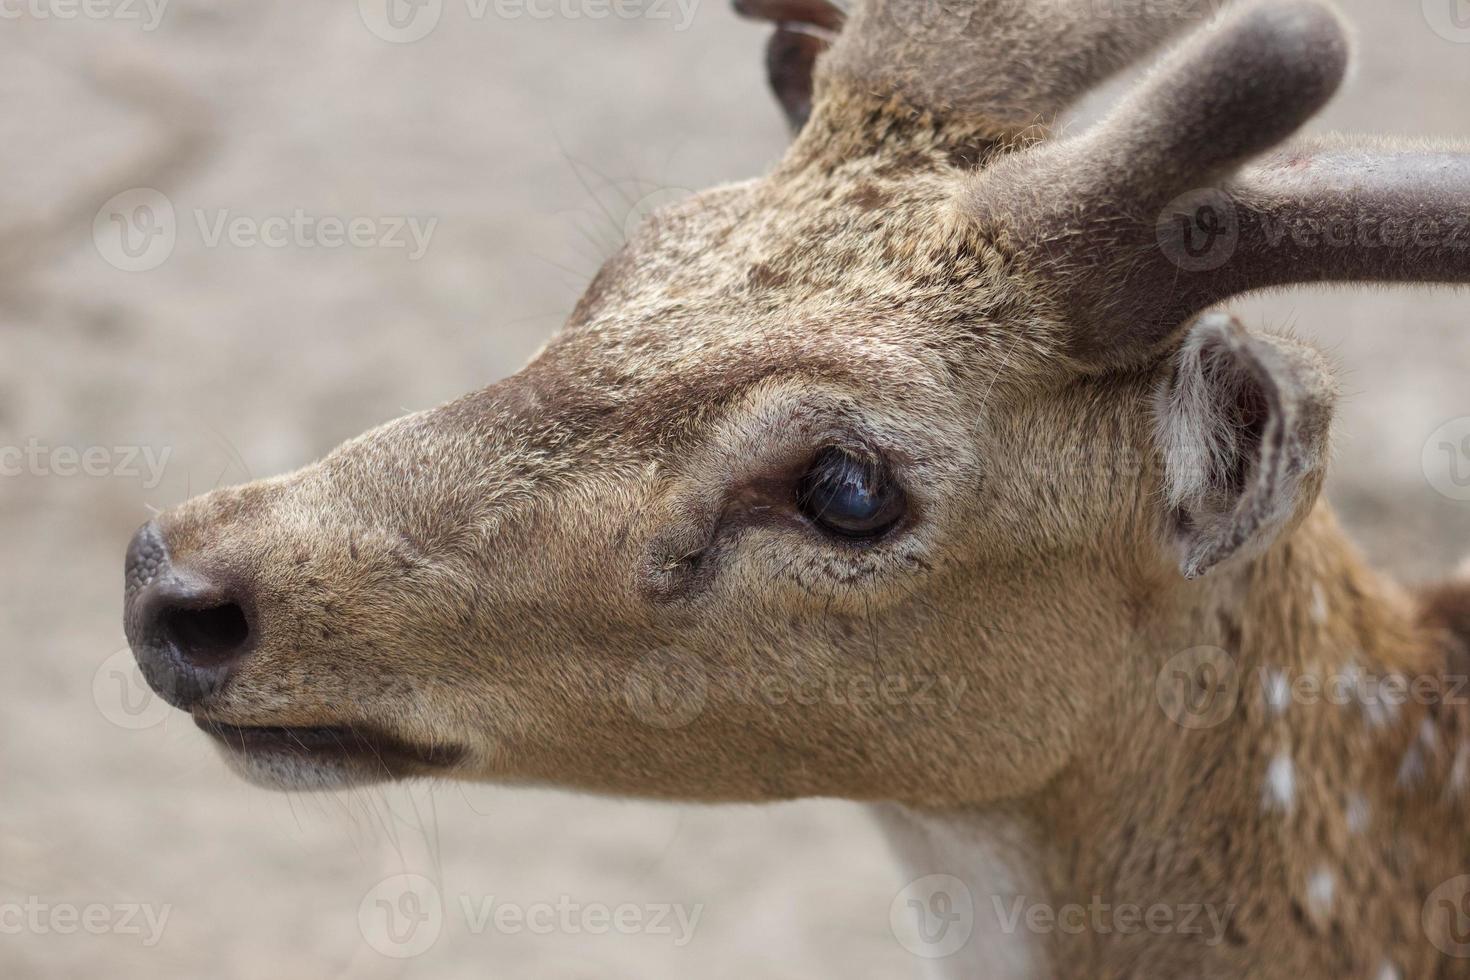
849, 496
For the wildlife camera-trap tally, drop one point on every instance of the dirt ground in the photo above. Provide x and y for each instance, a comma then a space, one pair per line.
532, 143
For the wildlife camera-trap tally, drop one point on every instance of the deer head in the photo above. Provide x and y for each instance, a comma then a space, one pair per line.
936, 407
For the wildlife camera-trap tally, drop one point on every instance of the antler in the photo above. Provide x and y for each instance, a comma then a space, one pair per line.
1148, 218
997, 66
1014, 63
1339, 210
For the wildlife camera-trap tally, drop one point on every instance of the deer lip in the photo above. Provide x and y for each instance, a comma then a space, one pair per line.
341, 743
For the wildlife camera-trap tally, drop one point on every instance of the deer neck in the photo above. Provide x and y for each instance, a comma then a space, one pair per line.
1268, 824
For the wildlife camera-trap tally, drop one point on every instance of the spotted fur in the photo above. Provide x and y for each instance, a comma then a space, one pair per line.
1097, 482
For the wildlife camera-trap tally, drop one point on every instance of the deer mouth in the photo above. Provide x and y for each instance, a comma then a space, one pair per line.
295, 755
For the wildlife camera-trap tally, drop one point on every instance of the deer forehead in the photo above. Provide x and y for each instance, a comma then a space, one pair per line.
874, 253
827, 303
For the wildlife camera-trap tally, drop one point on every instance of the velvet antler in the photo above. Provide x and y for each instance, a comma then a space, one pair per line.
1156, 213
998, 65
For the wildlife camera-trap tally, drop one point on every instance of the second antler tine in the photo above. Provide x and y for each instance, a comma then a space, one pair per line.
1220, 101
1003, 65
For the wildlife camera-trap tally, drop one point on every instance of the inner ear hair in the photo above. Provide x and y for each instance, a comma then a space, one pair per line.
1242, 423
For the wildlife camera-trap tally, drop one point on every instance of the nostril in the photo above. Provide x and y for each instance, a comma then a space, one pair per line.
188, 628
207, 636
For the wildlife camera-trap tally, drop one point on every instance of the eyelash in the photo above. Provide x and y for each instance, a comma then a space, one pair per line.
849, 496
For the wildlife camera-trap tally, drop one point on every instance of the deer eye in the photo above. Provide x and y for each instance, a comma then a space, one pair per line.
849, 496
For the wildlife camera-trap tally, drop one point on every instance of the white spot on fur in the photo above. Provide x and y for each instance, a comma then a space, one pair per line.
1280, 791
1411, 770
1387, 971
1379, 708
1319, 603
1277, 690
1359, 813
1459, 770
1429, 736
1321, 886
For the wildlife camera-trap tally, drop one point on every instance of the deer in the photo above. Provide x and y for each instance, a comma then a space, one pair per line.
947, 395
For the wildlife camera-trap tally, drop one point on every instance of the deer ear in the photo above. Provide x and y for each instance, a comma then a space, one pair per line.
804, 29
790, 57
1242, 423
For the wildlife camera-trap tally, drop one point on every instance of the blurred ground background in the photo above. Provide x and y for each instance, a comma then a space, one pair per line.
533, 142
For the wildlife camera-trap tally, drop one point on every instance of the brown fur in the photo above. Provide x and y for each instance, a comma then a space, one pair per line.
503, 575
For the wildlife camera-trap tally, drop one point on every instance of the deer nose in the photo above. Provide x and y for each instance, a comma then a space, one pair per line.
188, 632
